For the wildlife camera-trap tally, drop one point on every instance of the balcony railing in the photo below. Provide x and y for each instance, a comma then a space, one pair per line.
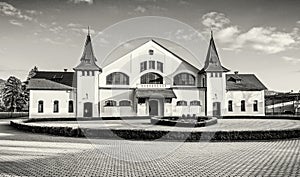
158, 86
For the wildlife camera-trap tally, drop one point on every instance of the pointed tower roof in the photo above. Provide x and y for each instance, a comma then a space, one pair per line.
212, 62
88, 60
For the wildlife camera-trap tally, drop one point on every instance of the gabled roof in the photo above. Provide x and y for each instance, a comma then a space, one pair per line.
169, 46
88, 59
68, 79
44, 84
212, 62
248, 82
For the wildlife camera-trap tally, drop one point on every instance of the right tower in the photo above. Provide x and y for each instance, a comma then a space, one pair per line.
213, 77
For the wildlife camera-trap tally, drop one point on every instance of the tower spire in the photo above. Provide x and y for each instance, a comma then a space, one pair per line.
211, 33
88, 30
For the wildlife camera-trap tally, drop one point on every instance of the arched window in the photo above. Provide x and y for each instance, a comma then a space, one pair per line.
117, 78
184, 79
255, 106
110, 103
230, 109
124, 103
40, 106
181, 103
195, 103
243, 106
71, 106
56, 106
151, 78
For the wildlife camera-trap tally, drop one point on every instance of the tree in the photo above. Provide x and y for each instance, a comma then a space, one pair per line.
14, 94
32, 73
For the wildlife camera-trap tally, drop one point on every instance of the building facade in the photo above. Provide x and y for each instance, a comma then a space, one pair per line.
150, 80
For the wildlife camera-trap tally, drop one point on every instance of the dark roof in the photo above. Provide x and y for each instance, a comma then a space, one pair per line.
155, 93
64, 78
88, 59
212, 62
44, 84
244, 82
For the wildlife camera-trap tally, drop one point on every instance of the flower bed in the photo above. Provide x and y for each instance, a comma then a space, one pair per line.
184, 121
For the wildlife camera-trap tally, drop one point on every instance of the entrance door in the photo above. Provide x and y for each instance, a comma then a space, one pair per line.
87, 109
216, 109
153, 107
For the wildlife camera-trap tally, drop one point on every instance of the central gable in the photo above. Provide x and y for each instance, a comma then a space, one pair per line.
158, 49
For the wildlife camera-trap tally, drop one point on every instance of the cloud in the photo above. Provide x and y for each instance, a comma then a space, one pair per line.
266, 39
214, 20
140, 9
9, 10
33, 12
51, 41
269, 40
81, 1
15, 22
74, 25
291, 59
298, 22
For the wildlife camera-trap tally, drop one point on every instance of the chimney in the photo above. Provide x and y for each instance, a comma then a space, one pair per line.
65, 70
236, 72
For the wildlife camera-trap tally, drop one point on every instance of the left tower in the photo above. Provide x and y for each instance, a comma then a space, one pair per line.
87, 73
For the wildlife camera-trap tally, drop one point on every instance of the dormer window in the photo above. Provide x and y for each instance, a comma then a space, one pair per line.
238, 81
151, 52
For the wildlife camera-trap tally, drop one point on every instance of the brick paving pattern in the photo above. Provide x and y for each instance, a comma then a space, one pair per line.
138, 158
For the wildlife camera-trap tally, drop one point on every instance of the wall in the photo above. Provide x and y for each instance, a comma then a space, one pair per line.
49, 96
249, 97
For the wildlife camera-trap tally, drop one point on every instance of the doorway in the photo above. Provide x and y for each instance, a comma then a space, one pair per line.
153, 107
216, 109
88, 109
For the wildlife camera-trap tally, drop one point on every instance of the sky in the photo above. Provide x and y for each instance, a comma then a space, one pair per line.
258, 36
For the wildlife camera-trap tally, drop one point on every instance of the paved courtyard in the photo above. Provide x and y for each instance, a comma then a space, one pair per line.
27, 154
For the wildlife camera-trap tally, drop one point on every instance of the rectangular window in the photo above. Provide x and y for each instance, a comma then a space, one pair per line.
216, 74
93, 74
40, 107
243, 106
211, 74
151, 64
143, 66
82, 73
255, 106
88, 73
55, 106
71, 107
230, 106
160, 66
220, 74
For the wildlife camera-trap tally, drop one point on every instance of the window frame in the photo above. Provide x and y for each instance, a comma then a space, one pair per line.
70, 106
113, 103
55, 106
178, 79
151, 64
160, 66
255, 106
117, 78
230, 106
143, 66
181, 103
243, 106
40, 106
192, 103
123, 101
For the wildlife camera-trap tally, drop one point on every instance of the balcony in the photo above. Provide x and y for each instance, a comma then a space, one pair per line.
153, 86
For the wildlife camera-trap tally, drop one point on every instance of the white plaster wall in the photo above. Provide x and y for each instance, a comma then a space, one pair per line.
188, 95
216, 87
249, 97
116, 95
87, 91
130, 65
49, 96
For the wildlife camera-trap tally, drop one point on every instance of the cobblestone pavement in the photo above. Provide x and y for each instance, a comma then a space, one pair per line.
31, 157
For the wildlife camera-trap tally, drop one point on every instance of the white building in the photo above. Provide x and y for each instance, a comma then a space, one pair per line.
149, 80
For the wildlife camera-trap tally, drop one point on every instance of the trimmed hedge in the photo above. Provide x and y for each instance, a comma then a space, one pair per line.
159, 134
7, 115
